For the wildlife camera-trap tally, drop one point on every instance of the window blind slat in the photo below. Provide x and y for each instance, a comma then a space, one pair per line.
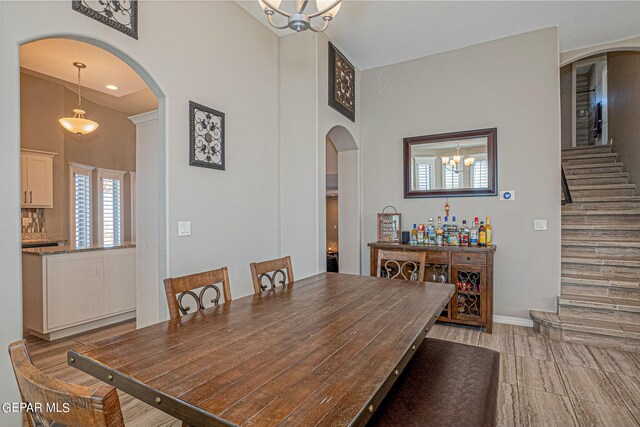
111, 211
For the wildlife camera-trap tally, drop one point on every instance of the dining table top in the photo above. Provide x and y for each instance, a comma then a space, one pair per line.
323, 350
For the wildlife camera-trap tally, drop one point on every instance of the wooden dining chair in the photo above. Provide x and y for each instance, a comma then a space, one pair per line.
56, 403
271, 270
401, 265
177, 288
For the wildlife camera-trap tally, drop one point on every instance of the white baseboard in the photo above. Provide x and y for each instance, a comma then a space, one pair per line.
519, 321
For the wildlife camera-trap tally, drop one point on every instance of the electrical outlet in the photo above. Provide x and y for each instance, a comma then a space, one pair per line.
184, 228
539, 224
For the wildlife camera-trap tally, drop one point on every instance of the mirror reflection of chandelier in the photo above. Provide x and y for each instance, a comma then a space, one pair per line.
453, 164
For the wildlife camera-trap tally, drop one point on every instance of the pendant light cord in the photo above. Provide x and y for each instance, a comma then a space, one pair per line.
79, 89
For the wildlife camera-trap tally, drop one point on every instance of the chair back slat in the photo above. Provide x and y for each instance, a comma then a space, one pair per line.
51, 402
178, 289
270, 273
401, 265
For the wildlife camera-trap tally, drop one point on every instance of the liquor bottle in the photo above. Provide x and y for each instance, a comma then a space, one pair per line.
421, 235
489, 230
482, 235
473, 233
454, 234
464, 234
414, 236
431, 233
439, 232
445, 232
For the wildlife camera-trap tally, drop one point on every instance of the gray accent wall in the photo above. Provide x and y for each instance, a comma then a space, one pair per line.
511, 84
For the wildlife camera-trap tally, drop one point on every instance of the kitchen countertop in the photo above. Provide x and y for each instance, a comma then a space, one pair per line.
43, 241
57, 250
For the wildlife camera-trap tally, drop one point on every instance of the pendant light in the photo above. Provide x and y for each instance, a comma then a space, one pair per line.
78, 124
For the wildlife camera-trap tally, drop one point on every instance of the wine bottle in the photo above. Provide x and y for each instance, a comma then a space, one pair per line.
489, 230
482, 235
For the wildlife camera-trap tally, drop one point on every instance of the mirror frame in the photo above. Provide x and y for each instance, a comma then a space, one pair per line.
492, 164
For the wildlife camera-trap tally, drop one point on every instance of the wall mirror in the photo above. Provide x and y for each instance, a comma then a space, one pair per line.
451, 164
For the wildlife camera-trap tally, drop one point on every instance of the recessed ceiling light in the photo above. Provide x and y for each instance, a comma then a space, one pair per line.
112, 87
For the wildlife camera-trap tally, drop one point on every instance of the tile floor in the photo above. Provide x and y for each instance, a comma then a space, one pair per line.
542, 381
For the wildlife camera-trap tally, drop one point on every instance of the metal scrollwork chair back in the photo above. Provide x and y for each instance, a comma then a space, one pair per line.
183, 288
274, 273
401, 265
51, 402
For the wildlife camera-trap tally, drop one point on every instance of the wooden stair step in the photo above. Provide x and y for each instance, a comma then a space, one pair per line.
599, 227
625, 336
598, 281
606, 199
612, 262
598, 175
607, 212
590, 148
592, 166
617, 304
602, 243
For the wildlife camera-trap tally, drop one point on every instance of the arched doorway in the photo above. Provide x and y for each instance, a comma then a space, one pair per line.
347, 192
149, 174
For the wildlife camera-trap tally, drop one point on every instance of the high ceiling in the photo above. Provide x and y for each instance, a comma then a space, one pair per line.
376, 33
53, 59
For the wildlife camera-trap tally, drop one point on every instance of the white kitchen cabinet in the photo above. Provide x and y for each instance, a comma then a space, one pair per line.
69, 293
36, 179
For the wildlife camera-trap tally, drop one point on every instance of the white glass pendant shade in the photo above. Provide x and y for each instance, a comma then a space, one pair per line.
321, 4
274, 3
456, 159
445, 160
78, 124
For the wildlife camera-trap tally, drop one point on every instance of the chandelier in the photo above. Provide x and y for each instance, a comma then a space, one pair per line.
453, 164
78, 124
299, 20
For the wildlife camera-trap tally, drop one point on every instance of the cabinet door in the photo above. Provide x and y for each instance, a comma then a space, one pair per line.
469, 301
75, 289
24, 186
120, 280
40, 181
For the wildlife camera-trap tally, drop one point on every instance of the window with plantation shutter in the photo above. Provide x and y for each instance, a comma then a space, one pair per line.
80, 204
480, 174
451, 179
110, 215
422, 173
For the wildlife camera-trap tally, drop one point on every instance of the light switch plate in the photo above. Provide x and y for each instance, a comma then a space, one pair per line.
508, 195
539, 224
184, 228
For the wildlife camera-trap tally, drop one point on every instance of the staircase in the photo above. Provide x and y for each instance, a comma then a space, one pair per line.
599, 301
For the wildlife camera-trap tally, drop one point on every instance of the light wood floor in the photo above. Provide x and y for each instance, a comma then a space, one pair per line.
542, 381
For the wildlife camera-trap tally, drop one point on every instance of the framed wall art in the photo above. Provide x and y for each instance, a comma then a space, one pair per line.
206, 137
342, 84
121, 15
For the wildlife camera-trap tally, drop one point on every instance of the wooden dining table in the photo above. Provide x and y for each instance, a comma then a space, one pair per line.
323, 350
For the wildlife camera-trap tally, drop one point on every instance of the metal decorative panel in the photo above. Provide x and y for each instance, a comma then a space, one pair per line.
206, 137
121, 15
342, 84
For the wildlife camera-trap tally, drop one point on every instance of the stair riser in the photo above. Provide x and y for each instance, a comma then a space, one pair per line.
598, 252
600, 206
586, 151
627, 344
594, 170
600, 291
620, 220
600, 314
590, 160
600, 271
602, 234
603, 192
598, 181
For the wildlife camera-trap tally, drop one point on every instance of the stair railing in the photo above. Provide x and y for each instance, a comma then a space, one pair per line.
566, 193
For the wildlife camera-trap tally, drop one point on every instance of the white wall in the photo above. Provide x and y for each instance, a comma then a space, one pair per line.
213, 53
305, 120
511, 84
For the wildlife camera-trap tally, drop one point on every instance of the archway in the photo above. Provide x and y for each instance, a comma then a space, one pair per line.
151, 264
348, 190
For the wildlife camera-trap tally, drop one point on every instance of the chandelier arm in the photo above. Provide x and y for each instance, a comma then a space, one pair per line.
324, 27
270, 19
303, 7
325, 10
274, 9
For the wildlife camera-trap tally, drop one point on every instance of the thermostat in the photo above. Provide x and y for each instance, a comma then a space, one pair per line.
507, 195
